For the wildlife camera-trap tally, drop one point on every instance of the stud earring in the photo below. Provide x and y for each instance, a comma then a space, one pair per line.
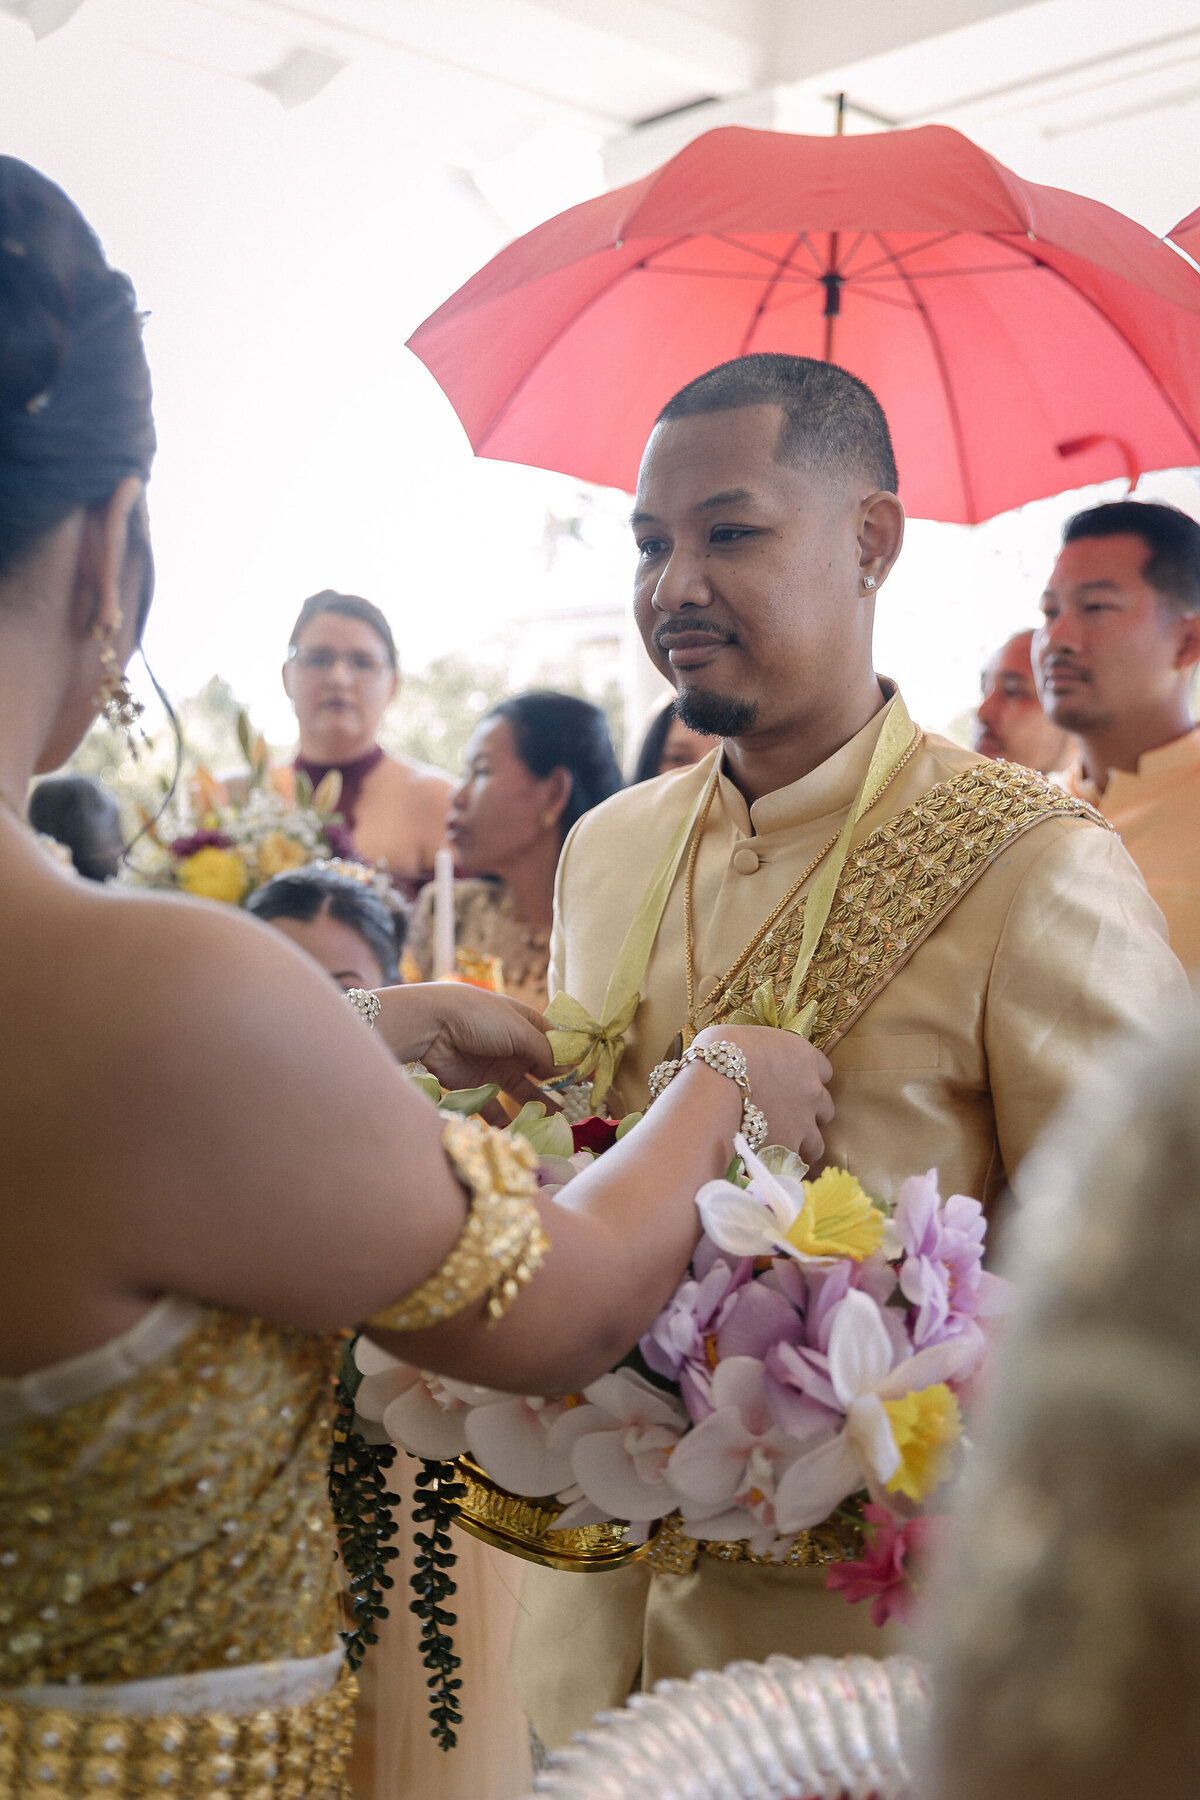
869, 582
115, 698
549, 819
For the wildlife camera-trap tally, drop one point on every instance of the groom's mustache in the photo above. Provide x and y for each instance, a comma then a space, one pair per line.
673, 631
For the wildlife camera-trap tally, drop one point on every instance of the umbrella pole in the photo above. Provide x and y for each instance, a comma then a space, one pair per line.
831, 279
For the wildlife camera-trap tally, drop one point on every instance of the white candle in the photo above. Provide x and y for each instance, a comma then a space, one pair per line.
443, 914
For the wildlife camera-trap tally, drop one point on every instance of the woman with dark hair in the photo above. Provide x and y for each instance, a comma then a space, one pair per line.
78, 812
341, 675
337, 919
669, 745
535, 764
189, 1225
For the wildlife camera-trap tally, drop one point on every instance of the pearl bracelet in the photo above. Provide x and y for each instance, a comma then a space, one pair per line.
366, 1004
727, 1059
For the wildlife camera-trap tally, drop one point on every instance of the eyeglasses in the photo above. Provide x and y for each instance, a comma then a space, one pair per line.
321, 662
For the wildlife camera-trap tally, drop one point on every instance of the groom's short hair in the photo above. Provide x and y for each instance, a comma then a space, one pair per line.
831, 419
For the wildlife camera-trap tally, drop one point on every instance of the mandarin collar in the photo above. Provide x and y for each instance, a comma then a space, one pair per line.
1181, 753
829, 788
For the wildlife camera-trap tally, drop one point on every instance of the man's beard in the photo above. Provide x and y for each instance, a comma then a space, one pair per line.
716, 715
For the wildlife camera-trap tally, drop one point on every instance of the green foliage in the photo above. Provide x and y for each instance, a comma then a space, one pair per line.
362, 1514
434, 714
437, 1494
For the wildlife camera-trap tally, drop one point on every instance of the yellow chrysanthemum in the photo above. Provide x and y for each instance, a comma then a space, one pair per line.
214, 874
277, 853
837, 1219
924, 1424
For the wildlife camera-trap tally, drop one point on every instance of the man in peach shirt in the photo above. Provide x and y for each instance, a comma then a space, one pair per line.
1114, 661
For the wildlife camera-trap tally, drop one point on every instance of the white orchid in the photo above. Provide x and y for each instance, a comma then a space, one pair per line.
900, 1417
777, 1214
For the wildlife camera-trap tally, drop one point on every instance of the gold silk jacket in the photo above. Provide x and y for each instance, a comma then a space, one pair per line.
1013, 1000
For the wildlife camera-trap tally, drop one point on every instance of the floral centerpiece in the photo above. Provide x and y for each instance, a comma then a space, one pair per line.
805, 1378
223, 848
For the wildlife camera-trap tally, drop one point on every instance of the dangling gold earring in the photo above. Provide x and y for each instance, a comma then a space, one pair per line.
115, 698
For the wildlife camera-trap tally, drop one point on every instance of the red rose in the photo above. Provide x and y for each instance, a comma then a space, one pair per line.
596, 1135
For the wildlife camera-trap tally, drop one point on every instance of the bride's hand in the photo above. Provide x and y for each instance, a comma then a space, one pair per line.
789, 1080
467, 1037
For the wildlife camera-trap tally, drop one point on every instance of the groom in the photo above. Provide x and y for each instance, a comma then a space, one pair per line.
988, 936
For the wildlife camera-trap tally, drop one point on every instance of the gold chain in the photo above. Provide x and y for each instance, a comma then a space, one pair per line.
776, 913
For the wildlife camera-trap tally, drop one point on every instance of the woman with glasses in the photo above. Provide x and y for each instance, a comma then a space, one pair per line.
340, 674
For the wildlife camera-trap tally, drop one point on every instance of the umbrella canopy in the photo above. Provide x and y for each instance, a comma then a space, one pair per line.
1021, 339
1187, 234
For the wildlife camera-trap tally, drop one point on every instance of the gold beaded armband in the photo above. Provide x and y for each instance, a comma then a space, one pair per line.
501, 1246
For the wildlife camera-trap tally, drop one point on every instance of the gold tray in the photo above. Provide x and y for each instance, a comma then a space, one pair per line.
525, 1528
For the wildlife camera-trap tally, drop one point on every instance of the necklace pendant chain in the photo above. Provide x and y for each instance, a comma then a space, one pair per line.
692, 1024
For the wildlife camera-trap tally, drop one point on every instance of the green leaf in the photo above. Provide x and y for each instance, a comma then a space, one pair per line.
549, 1133
627, 1124
468, 1100
303, 789
245, 734
427, 1085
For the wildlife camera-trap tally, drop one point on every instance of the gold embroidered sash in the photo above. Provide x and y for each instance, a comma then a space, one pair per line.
896, 888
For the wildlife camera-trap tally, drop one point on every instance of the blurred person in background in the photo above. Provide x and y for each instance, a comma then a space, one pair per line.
668, 745
1069, 1615
1115, 659
334, 917
81, 814
534, 765
341, 674
1009, 724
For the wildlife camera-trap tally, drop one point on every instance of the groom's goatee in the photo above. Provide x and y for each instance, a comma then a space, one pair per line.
716, 715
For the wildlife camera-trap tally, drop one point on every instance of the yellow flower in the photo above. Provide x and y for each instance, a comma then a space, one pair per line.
277, 853
837, 1219
925, 1423
214, 874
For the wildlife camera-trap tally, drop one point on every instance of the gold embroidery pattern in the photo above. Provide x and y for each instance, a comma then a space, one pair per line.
177, 1522
897, 886
673, 1552
501, 1246
285, 1753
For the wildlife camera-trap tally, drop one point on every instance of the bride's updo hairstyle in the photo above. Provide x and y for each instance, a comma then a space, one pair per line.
75, 413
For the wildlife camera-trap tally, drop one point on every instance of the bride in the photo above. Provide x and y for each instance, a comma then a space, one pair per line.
212, 1171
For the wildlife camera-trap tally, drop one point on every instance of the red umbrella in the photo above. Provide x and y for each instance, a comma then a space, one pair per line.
1187, 234
1004, 326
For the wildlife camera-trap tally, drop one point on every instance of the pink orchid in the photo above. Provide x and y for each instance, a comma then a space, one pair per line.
727, 1469
510, 1438
619, 1445
422, 1413
883, 1575
942, 1274
862, 1371
677, 1344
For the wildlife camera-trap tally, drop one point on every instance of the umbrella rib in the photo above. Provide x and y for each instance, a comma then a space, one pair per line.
1163, 393
763, 299
944, 373
567, 325
943, 237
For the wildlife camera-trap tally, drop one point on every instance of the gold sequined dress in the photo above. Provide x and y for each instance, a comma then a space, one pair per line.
168, 1585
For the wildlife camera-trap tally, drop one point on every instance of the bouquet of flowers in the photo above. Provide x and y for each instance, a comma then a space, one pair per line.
223, 849
808, 1370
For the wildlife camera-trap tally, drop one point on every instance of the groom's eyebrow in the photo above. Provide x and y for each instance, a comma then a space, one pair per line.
730, 497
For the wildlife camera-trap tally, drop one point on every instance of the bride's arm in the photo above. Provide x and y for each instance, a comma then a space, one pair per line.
249, 1142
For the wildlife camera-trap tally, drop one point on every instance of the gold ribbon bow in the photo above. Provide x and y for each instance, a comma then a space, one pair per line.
595, 1046
591, 1048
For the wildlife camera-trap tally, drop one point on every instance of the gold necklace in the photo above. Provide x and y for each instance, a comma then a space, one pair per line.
775, 914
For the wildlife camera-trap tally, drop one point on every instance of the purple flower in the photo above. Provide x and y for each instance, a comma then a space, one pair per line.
199, 840
942, 1275
682, 1342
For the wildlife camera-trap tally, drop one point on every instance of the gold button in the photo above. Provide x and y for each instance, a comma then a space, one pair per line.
745, 860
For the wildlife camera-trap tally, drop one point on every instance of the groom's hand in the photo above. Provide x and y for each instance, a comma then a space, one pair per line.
467, 1037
